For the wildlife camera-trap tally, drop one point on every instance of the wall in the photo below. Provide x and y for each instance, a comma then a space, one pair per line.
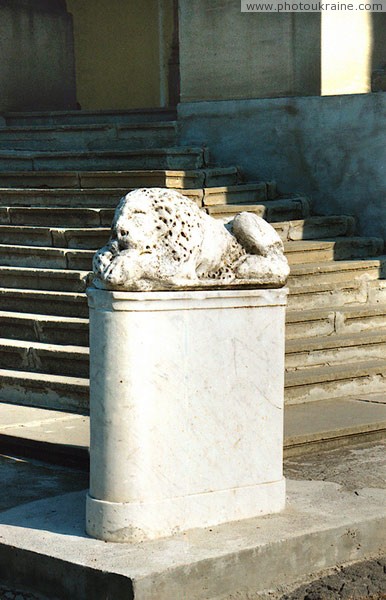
228, 54
36, 67
117, 52
332, 148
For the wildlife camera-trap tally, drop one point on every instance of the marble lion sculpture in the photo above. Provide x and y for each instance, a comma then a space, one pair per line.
162, 240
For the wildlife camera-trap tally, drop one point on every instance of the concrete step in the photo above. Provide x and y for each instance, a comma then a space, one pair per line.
329, 424
271, 210
39, 257
335, 349
74, 198
300, 252
325, 295
37, 357
155, 158
61, 280
336, 381
125, 179
89, 117
77, 238
45, 329
315, 228
89, 137
45, 391
336, 271
56, 216
377, 291
246, 193
301, 324
44, 302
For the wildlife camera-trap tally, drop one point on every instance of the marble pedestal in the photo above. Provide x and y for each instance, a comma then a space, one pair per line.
186, 410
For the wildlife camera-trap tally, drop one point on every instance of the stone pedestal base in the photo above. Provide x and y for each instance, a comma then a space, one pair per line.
186, 410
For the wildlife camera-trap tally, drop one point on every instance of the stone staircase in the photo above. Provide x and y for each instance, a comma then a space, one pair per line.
61, 176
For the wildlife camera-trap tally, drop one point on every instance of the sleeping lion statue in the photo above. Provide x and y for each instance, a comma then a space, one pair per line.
162, 240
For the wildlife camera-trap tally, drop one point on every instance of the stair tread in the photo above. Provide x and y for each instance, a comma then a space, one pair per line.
87, 127
4, 314
294, 316
304, 245
334, 418
336, 341
26, 291
48, 347
64, 380
333, 372
91, 153
326, 266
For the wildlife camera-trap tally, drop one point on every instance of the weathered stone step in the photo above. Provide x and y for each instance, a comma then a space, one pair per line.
300, 252
246, 193
271, 210
329, 424
58, 217
125, 179
315, 228
327, 294
104, 197
89, 137
322, 383
61, 280
336, 271
45, 329
329, 350
334, 320
154, 158
45, 391
80, 117
74, 198
36, 357
44, 302
76, 238
39, 257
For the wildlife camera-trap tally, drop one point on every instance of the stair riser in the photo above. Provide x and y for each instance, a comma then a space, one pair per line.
272, 211
335, 323
145, 161
315, 358
105, 138
50, 395
42, 281
66, 198
249, 195
338, 276
37, 361
341, 251
320, 327
44, 305
39, 217
124, 180
316, 228
33, 331
89, 118
76, 198
324, 299
377, 292
86, 240
45, 259
354, 386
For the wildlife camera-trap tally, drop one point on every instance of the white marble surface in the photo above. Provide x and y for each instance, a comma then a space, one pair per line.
161, 240
186, 410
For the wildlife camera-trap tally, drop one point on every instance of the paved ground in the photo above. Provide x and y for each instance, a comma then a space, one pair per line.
354, 468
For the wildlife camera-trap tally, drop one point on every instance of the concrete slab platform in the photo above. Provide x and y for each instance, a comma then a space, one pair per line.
43, 546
